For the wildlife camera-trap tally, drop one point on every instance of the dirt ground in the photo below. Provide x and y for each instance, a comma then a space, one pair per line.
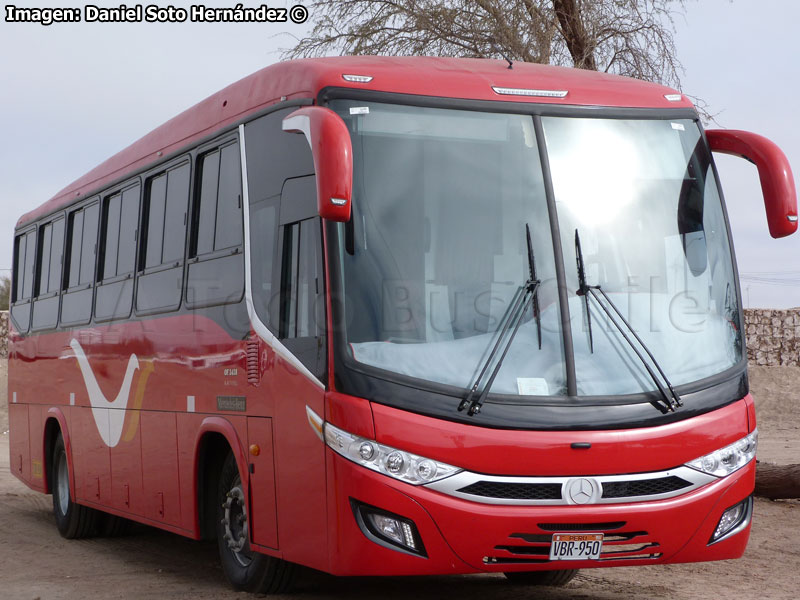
35, 562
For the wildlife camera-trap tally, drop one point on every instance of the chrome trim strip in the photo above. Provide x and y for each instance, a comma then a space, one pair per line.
258, 326
506, 91
451, 486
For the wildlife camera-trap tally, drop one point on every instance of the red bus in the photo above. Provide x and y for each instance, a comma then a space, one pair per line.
395, 316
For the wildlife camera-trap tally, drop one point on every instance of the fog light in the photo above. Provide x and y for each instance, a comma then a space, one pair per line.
387, 529
733, 520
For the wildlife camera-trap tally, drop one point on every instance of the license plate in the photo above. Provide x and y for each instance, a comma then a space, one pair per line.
576, 546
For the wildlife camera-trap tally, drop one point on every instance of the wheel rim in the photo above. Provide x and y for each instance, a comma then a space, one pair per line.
62, 479
236, 524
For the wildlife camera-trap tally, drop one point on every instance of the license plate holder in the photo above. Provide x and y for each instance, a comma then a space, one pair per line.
576, 546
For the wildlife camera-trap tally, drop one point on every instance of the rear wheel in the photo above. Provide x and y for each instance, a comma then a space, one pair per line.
246, 569
73, 520
554, 578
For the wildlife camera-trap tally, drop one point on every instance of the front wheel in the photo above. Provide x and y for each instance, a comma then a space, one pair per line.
73, 520
553, 578
246, 570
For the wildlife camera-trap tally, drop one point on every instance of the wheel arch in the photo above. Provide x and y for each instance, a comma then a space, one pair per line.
55, 423
216, 437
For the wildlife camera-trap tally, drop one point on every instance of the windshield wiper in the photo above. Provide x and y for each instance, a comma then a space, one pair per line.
672, 400
525, 296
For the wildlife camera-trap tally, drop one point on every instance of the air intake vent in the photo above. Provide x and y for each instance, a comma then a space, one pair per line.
514, 491
643, 487
253, 363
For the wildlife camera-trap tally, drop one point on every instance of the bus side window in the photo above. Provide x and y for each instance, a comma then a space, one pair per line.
48, 275
22, 290
79, 265
118, 255
301, 311
216, 265
273, 158
163, 242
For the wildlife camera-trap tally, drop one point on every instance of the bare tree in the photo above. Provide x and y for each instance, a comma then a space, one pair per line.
626, 37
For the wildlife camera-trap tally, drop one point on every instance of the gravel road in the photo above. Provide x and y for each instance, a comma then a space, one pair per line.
35, 562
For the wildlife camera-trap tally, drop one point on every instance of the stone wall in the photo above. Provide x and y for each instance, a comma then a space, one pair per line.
773, 336
3, 333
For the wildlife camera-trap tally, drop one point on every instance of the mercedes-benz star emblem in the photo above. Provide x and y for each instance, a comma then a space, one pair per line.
582, 491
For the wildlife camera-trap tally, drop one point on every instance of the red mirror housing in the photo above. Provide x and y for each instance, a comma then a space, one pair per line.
777, 181
330, 145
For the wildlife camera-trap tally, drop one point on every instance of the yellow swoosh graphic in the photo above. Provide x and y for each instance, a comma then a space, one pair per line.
133, 422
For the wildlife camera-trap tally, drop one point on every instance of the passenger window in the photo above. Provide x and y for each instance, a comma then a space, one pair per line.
45, 238
74, 241
160, 281
30, 250
48, 276
51, 242
218, 210
79, 265
22, 290
216, 269
165, 218
24, 249
114, 295
120, 218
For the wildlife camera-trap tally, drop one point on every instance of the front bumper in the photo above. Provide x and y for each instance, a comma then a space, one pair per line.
462, 536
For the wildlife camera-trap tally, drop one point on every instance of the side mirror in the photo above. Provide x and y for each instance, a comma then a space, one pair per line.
777, 181
330, 145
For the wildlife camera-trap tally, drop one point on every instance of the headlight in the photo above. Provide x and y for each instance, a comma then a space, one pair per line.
401, 465
731, 458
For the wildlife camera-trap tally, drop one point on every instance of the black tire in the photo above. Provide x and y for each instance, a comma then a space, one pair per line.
73, 520
113, 526
553, 578
245, 569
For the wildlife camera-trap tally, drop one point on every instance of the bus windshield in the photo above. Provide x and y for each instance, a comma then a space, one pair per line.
436, 248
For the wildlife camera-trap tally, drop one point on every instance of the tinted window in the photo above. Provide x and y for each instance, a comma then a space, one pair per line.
51, 240
56, 250
89, 244
126, 259
175, 217
300, 279
165, 217
218, 214
30, 250
19, 267
112, 211
154, 217
274, 155
263, 229
229, 200
45, 238
121, 215
209, 167
75, 238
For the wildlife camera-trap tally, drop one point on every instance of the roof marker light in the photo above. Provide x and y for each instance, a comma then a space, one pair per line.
357, 78
526, 92
673, 97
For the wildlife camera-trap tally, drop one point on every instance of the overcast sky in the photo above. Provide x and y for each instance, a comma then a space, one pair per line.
71, 95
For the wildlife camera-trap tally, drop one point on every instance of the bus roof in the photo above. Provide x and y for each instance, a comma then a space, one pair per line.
466, 78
